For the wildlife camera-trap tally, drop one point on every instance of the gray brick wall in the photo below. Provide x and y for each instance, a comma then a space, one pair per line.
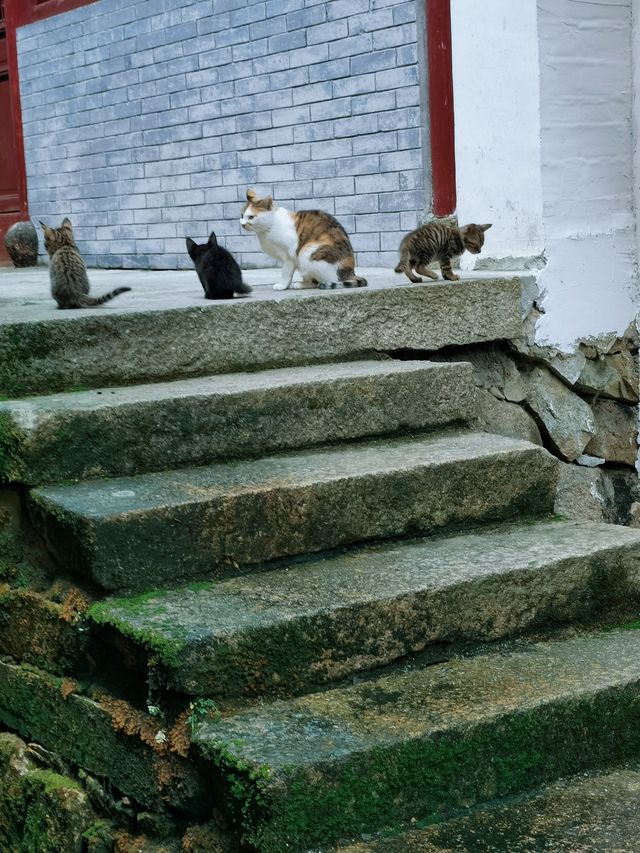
146, 121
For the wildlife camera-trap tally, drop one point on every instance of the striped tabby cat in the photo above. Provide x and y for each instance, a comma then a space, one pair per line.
441, 242
68, 272
310, 240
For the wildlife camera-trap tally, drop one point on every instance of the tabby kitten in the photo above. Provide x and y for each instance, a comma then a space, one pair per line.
310, 240
441, 242
217, 269
67, 270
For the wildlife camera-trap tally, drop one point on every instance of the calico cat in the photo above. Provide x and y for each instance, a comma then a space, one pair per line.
67, 270
438, 241
217, 269
310, 240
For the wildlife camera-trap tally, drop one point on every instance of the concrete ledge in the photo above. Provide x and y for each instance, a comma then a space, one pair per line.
44, 350
140, 532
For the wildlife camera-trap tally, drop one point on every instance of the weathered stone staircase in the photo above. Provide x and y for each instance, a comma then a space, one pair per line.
207, 569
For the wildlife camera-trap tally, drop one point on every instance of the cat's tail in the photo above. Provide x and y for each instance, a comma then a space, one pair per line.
91, 301
243, 288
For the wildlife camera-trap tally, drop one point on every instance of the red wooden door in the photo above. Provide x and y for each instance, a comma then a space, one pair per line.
13, 197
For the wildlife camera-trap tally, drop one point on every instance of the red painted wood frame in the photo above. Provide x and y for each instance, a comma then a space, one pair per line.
17, 13
441, 118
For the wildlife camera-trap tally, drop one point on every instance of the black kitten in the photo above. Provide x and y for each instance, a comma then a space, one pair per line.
217, 269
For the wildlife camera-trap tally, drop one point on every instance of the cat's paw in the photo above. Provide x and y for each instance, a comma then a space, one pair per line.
281, 285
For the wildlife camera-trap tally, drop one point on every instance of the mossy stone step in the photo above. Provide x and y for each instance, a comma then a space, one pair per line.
590, 813
124, 346
308, 772
107, 738
140, 532
324, 618
123, 431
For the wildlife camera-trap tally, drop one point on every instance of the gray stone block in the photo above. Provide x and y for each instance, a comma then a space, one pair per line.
339, 615
197, 421
42, 350
141, 532
422, 743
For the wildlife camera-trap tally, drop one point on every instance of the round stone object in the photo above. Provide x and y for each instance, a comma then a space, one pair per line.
21, 243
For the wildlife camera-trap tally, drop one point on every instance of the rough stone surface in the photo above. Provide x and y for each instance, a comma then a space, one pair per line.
586, 814
567, 419
40, 810
504, 418
613, 375
52, 712
353, 760
164, 329
21, 243
135, 533
616, 438
596, 494
197, 421
323, 619
41, 632
493, 369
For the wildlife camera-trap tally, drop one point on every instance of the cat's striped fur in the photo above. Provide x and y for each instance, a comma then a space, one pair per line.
67, 270
311, 241
438, 241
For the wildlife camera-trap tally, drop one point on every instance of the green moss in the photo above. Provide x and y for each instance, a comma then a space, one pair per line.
99, 830
167, 651
51, 782
315, 805
11, 450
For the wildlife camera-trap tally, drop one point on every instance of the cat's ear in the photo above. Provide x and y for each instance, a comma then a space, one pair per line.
46, 228
66, 223
267, 202
192, 248
213, 240
251, 195
486, 227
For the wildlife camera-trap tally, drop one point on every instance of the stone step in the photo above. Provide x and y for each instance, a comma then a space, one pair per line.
337, 764
104, 736
122, 431
325, 618
141, 532
42, 350
590, 813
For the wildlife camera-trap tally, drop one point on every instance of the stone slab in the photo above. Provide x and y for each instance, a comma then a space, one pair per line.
418, 745
120, 431
53, 712
585, 814
323, 619
164, 329
140, 532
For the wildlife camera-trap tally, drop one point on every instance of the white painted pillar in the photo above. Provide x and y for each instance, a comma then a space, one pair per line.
497, 117
587, 166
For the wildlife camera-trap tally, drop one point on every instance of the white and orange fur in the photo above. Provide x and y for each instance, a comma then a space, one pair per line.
311, 241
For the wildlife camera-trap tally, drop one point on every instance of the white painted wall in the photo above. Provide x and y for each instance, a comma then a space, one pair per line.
635, 48
587, 169
497, 115
544, 149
